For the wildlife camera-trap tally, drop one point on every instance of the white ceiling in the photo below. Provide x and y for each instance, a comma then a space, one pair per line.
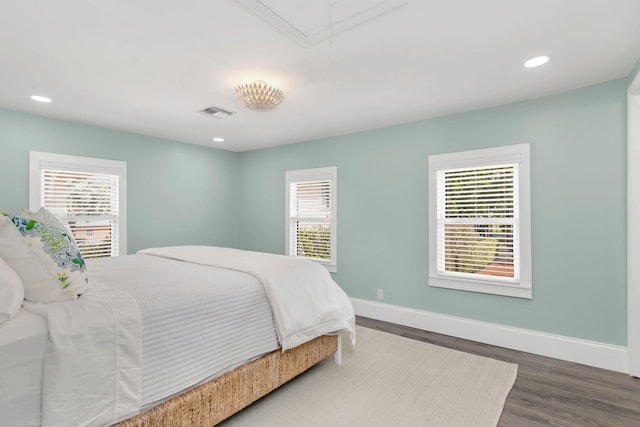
150, 66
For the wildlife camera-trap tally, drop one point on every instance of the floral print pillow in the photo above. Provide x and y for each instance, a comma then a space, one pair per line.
45, 257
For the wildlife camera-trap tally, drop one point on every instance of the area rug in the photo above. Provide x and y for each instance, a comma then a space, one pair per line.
388, 380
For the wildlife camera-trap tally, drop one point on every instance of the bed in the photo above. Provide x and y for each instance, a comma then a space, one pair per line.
169, 336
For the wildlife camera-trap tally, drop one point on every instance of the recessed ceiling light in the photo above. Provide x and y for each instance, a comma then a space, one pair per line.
218, 139
536, 62
40, 98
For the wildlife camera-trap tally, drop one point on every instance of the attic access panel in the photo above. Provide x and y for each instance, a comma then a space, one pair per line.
312, 21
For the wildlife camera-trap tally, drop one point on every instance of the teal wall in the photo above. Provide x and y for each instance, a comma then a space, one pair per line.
177, 193
186, 194
578, 187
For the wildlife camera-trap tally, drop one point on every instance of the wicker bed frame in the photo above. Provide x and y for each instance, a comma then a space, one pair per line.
218, 399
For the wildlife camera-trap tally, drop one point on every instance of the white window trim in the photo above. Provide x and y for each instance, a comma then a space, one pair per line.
39, 160
478, 158
317, 174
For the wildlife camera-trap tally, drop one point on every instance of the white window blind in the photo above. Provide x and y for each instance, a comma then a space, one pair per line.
88, 203
88, 195
311, 215
478, 222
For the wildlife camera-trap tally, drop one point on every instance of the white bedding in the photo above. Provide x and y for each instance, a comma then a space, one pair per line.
198, 322
305, 300
22, 344
92, 365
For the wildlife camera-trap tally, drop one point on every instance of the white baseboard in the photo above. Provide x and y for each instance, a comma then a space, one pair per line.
590, 353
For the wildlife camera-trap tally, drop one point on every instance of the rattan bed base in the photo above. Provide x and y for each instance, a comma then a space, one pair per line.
218, 399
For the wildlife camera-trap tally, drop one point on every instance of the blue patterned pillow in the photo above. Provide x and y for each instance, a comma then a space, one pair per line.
45, 257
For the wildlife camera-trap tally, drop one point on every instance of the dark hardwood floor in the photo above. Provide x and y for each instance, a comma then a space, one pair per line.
547, 392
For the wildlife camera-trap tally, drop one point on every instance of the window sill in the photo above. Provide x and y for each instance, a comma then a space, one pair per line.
330, 268
485, 287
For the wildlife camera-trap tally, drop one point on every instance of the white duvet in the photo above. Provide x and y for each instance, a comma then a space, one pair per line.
305, 301
92, 366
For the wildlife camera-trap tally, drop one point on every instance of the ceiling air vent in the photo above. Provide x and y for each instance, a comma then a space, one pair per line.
217, 112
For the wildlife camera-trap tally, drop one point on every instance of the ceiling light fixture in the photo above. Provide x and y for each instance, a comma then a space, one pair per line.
259, 95
536, 62
40, 98
218, 139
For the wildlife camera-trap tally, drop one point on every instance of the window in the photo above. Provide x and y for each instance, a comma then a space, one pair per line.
479, 221
311, 215
86, 194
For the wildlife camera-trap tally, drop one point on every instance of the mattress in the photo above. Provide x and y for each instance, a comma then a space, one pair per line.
22, 345
198, 322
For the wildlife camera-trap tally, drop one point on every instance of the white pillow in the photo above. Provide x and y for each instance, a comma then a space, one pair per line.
11, 292
45, 257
